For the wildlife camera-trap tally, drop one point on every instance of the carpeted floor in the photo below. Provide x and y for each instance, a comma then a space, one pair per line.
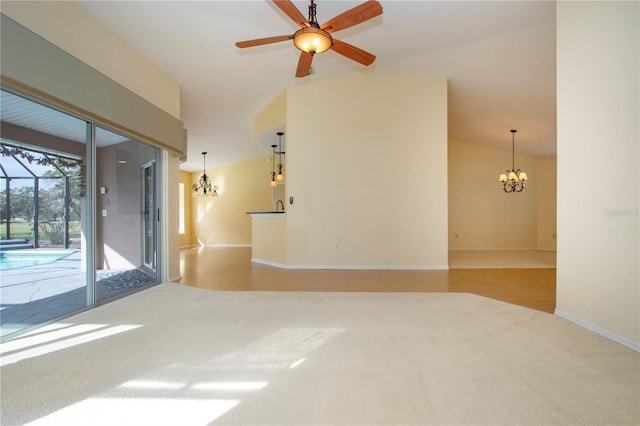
176, 355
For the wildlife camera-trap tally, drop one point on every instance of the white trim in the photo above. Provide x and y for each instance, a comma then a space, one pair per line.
225, 245
501, 249
599, 330
214, 245
175, 278
354, 267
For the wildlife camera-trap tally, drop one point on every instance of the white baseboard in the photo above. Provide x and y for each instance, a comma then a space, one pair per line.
189, 246
599, 330
502, 249
354, 267
226, 245
215, 245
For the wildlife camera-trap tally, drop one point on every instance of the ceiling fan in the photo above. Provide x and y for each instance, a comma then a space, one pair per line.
313, 38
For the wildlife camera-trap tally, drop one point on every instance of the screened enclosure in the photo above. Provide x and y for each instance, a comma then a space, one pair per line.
39, 198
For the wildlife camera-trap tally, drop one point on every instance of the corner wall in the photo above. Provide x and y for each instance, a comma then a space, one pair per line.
547, 196
598, 143
187, 238
367, 167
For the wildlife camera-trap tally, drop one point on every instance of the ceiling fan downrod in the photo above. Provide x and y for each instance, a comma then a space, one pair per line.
312, 15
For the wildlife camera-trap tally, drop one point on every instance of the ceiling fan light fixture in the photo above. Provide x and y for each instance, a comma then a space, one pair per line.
312, 40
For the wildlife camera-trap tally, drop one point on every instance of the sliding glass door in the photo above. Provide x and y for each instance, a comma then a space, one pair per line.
78, 222
149, 215
126, 228
43, 193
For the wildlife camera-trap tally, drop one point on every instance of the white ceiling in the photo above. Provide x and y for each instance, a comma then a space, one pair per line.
499, 57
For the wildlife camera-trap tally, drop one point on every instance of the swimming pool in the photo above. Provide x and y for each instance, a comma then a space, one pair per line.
21, 259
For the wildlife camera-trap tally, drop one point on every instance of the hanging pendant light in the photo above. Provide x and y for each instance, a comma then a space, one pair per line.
204, 188
513, 180
273, 182
280, 175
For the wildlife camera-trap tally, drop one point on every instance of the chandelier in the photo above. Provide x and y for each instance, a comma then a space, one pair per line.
203, 187
513, 180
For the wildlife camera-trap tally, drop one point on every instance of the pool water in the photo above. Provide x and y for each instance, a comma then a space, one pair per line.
22, 259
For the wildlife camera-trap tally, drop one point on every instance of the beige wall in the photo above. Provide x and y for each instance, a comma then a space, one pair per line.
272, 116
368, 173
483, 216
269, 239
187, 238
244, 186
73, 85
547, 202
170, 216
598, 214
73, 29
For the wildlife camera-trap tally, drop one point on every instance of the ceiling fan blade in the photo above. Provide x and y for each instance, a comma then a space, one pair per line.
354, 16
304, 64
292, 12
261, 41
352, 52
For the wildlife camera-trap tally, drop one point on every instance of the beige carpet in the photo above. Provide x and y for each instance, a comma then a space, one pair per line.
501, 259
177, 355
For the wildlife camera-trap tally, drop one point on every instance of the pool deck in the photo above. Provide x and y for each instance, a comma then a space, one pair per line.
35, 294
32, 295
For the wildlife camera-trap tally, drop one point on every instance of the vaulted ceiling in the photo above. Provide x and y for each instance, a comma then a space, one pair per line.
498, 56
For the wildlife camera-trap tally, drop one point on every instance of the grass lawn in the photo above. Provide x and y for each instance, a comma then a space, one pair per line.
18, 230
25, 230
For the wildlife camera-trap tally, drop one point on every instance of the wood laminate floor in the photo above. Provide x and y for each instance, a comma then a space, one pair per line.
231, 269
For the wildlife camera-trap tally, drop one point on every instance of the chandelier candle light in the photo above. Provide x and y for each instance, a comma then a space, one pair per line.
203, 187
513, 180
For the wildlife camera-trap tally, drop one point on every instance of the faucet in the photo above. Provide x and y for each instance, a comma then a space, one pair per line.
278, 204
